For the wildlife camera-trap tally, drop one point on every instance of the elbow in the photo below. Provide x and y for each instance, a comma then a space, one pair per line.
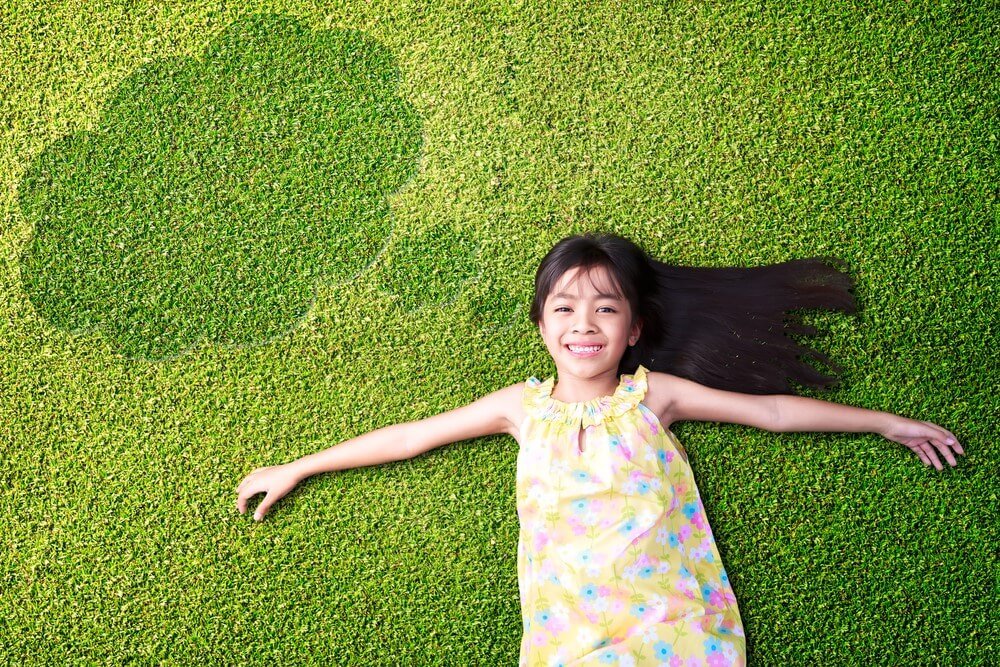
775, 412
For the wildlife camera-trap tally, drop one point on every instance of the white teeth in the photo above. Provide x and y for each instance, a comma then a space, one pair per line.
574, 348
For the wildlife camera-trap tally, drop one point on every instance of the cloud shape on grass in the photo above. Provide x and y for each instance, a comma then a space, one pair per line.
214, 192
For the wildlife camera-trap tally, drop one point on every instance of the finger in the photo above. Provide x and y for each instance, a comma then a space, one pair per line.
943, 441
241, 503
245, 495
943, 448
932, 455
948, 438
919, 452
263, 507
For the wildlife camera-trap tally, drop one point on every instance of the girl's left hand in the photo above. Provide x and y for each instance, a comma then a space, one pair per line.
920, 435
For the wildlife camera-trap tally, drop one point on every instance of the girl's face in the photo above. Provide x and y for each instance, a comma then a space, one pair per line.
580, 310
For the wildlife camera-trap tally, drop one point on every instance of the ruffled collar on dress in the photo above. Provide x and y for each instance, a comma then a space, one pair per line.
539, 403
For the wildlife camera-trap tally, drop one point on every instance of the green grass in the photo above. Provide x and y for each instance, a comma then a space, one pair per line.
358, 199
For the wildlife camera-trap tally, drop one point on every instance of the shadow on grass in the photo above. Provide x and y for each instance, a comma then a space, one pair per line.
216, 192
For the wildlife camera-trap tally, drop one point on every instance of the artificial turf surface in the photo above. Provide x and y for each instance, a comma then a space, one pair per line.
235, 234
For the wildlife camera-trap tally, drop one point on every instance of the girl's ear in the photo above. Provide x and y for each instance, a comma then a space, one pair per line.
635, 333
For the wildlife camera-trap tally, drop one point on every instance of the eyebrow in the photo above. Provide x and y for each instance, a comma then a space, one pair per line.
602, 295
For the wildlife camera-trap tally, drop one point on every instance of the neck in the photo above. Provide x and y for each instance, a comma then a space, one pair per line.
572, 388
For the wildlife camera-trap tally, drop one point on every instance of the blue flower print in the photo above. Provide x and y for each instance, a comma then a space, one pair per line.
646, 571
638, 610
673, 539
543, 616
586, 557
589, 591
579, 506
628, 526
642, 487
706, 591
581, 475
615, 442
712, 645
724, 577
608, 657
690, 509
684, 572
663, 650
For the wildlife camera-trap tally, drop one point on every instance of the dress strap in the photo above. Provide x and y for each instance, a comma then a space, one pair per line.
538, 402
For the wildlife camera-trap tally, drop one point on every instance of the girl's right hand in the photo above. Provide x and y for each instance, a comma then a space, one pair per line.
275, 481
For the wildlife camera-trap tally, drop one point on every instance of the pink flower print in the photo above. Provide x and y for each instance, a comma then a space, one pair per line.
717, 659
698, 520
541, 539
675, 502
651, 420
556, 625
727, 597
693, 662
685, 589
576, 526
684, 533
675, 661
706, 546
620, 446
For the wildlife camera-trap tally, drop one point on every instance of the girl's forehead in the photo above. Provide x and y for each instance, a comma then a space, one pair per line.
579, 281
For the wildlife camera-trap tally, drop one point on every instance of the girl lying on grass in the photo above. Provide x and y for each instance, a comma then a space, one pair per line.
616, 558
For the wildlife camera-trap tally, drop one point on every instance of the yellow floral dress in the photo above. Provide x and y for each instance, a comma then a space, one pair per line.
616, 561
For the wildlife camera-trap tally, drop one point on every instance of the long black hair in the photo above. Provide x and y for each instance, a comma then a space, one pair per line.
724, 327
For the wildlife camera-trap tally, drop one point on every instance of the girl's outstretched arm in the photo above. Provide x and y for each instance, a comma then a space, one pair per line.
488, 415
799, 413
688, 400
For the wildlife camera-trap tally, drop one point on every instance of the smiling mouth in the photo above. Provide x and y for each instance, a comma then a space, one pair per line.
585, 349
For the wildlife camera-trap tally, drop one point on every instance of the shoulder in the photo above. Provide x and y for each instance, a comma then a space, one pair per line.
509, 401
659, 394
515, 405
